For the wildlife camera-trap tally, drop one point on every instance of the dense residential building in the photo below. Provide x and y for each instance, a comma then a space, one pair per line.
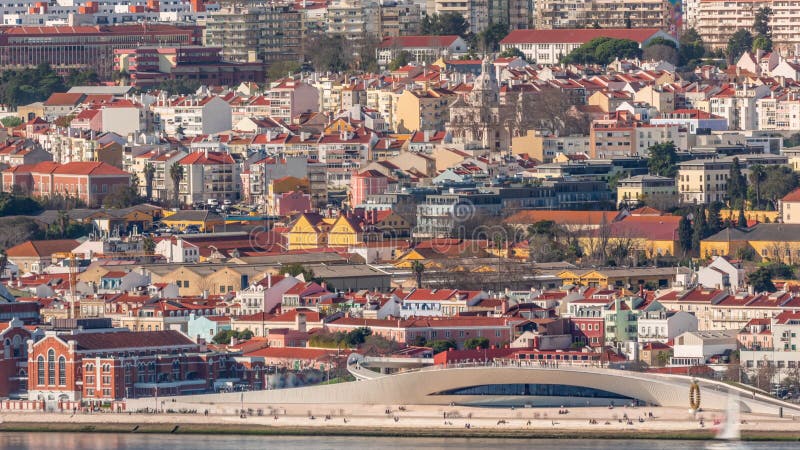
354, 19
717, 20
633, 191
151, 66
604, 13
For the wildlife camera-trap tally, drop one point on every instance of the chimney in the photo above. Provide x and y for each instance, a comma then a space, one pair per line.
269, 280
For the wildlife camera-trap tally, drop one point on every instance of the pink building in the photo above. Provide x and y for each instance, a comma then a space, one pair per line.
90, 182
290, 98
366, 183
291, 202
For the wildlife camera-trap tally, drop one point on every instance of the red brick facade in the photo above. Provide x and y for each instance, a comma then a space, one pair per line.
109, 366
13, 358
90, 182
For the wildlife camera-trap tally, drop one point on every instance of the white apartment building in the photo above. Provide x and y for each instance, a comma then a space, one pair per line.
475, 11
354, 19
606, 13
738, 105
778, 114
662, 326
717, 20
195, 116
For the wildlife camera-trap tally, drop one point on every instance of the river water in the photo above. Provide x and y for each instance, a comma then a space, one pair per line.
112, 441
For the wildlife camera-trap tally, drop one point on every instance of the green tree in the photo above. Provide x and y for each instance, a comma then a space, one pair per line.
356, 337
685, 234
121, 197
742, 221
442, 345
762, 42
148, 245
181, 86
298, 269
445, 24
699, 228
761, 280
740, 42
21, 87
691, 47
489, 39
778, 181
513, 52
176, 175
224, 337
761, 23
663, 159
82, 78
280, 69
402, 59
714, 223
737, 185
476, 343
757, 176
602, 51
792, 141
14, 205
418, 268
11, 121
17, 230
149, 174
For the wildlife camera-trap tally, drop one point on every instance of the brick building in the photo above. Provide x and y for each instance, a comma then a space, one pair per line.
14, 358
104, 366
89, 182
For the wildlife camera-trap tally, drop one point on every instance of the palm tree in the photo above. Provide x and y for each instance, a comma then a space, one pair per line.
757, 175
176, 174
417, 267
149, 173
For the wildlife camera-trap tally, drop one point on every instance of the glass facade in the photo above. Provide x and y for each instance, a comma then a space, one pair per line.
544, 390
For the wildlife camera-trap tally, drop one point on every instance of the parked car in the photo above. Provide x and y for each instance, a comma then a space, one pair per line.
191, 229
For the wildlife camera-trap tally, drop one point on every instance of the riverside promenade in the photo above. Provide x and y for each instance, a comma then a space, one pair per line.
409, 420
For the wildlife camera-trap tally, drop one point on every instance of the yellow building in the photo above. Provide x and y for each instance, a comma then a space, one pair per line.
344, 232
205, 221
422, 110
309, 231
766, 241
630, 277
632, 191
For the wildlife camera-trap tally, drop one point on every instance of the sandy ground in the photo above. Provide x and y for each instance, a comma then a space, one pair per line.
428, 417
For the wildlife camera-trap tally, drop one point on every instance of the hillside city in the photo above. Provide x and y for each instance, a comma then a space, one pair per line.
203, 197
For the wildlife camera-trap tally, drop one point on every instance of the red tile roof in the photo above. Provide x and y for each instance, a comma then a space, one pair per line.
577, 36
34, 249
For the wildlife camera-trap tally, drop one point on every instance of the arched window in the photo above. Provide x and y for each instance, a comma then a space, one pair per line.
19, 350
7, 349
62, 371
51, 367
40, 369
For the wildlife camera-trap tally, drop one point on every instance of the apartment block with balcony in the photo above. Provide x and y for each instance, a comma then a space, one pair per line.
606, 13
717, 20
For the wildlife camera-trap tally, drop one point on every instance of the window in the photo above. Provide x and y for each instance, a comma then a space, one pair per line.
51, 367
90, 392
106, 379
40, 369
62, 371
